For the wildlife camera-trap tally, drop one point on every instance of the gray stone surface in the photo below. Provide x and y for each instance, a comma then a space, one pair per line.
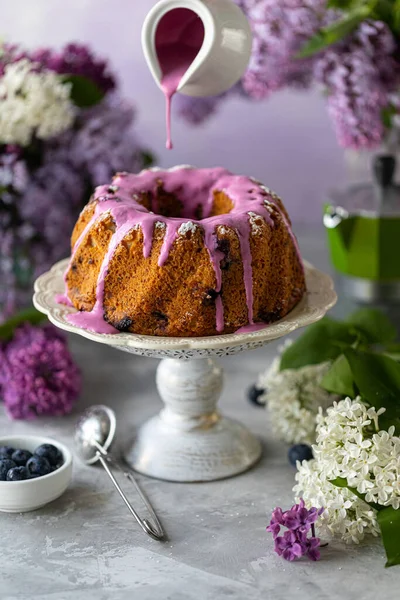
86, 546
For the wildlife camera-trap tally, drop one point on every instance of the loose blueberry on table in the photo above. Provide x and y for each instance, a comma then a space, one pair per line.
300, 452
17, 464
254, 394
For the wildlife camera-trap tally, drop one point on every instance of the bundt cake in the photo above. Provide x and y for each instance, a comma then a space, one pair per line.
183, 252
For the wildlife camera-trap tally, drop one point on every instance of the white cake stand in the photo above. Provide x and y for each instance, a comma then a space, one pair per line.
189, 440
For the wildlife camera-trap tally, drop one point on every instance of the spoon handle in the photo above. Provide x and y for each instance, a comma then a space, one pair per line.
154, 530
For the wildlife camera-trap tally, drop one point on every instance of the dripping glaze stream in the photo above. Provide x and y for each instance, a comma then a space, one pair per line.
179, 37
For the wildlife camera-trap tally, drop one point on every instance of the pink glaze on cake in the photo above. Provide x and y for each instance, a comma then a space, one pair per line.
194, 188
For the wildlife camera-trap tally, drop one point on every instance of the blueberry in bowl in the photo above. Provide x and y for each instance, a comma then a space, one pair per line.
6, 451
18, 474
34, 470
38, 466
21, 457
45, 459
5, 465
51, 453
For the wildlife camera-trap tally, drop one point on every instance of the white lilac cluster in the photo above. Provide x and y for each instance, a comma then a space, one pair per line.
33, 102
293, 398
351, 446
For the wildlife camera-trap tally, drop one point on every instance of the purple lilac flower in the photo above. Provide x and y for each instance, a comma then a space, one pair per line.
43, 188
359, 75
37, 214
38, 376
196, 110
295, 542
73, 59
311, 545
10, 53
14, 233
39, 204
76, 59
288, 546
279, 31
51, 204
274, 526
299, 517
103, 142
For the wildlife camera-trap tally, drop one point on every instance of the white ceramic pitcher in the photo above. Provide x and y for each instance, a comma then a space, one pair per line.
224, 54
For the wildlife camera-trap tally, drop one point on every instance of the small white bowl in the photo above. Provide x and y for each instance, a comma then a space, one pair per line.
30, 494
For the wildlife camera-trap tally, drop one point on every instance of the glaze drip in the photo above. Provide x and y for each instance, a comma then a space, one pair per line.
194, 188
179, 37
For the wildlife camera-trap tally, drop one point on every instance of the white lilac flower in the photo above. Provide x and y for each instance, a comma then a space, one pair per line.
344, 514
351, 446
32, 102
293, 398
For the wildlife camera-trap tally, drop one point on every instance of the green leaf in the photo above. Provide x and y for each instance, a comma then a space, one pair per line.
320, 342
341, 4
389, 523
336, 31
377, 378
396, 16
387, 114
84, 92
30, 315
148, 159
339, 29
374, 325
341, 482
339, 379
314, 45
393, 351
385, 10
395, 348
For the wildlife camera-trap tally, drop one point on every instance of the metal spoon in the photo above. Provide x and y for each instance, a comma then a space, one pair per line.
94, 433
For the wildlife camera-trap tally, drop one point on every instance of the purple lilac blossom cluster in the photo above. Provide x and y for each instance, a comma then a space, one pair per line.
76, 59
358, 74
73, 59
279, 31
44, 186
38, 376
295, 542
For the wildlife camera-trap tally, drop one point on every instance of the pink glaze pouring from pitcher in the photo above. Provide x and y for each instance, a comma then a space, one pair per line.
179, 37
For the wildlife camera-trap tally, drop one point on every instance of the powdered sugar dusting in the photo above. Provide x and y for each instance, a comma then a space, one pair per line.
255, 222
186, 227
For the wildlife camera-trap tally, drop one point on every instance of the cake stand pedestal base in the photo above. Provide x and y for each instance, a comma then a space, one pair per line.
189, 440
